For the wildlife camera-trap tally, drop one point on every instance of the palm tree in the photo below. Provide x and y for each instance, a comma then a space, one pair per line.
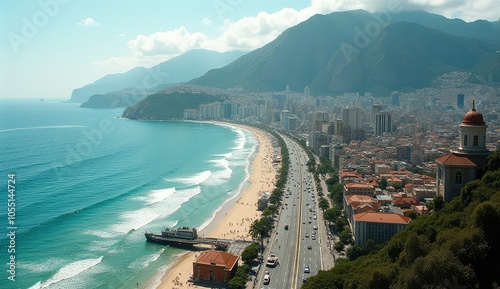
260, 229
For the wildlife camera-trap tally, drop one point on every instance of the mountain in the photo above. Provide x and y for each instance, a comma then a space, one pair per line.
357, 51
480, 29
293, 58
148, 80
167, 105
403, 55
488, 69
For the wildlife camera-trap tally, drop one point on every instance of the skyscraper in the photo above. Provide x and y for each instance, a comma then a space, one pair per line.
383, 123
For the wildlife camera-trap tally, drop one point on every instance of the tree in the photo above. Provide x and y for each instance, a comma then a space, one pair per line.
336, 193
270, 211
250, 253
331, 214
260, 229
345, 236
237, 283
382, 184
412, 214
438, 203
323, 204
339, 246
494, 161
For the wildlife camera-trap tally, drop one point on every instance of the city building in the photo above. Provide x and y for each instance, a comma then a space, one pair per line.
468, 162
359, 189
383, 123
379, 227
215, 266
262, 202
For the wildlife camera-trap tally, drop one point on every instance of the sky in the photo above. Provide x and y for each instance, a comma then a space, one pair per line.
50, 47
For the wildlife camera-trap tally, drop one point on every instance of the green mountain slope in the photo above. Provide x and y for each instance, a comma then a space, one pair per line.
488, 69
402, 55
163, 106
294, 58
397, 56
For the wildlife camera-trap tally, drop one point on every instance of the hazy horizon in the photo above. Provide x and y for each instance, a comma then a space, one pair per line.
51, 47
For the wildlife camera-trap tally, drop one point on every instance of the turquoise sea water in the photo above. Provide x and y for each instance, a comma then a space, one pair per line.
89, 184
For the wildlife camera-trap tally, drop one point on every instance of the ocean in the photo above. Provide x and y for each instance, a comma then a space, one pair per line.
89, 184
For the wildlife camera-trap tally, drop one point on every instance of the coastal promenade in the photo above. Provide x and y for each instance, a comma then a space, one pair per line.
233, 220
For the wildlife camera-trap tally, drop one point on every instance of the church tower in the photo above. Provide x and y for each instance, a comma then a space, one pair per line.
463, 165
473, 133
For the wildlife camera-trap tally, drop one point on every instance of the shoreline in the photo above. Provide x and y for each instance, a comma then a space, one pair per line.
234, 214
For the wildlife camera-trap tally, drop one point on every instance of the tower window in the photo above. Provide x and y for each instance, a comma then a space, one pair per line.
465, 140
476, 141
458, 178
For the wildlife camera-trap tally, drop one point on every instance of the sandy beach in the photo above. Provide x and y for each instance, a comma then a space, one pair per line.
235, 217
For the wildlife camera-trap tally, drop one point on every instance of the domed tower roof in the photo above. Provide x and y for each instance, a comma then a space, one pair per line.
473, 117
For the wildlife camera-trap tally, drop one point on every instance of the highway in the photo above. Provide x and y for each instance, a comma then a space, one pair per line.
299, 245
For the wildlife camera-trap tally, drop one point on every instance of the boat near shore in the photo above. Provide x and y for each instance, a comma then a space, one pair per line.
186, 237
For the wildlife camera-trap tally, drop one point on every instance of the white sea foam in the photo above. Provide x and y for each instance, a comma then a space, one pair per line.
45, 266
101, 245
134, 220
224, 163
157, 196
69, 271
101, 233
191, 180
179, 198
239, 142
226, 156
42, 127
143, 262
219, 177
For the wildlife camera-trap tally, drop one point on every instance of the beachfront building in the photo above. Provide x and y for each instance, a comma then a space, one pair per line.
215, 267
465, 164
263, 200
379, 227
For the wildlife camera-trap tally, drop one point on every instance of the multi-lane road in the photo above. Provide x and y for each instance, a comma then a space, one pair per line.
295, 239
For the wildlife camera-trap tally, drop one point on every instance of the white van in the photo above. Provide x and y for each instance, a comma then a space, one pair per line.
267, 279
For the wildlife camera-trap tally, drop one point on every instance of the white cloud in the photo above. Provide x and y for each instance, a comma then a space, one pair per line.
88, 22
206, 21
250, 33
168, 42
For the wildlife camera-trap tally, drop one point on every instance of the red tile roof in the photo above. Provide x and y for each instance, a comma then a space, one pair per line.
358, 198
349, 174
217, 258
455, 159
382, 218
405, 201
359, 185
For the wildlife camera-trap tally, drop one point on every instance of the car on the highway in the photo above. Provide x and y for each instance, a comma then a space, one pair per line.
267, 279
272, 260
309, 247
307, 235
307, 269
